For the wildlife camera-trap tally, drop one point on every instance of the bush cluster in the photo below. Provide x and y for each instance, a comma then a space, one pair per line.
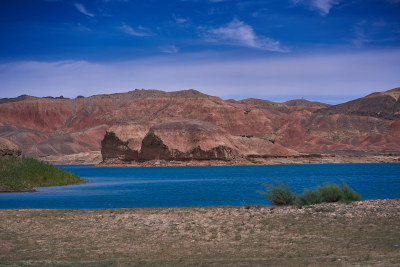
281, 194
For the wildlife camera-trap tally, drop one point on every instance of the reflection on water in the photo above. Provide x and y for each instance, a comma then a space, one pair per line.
200, 186
94, 184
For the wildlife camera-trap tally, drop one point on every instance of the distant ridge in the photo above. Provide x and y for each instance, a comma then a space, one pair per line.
16, 99
384, 105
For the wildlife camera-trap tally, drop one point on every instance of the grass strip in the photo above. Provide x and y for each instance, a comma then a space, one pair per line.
25, 174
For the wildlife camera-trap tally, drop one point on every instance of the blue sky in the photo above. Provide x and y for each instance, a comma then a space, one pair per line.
324, 50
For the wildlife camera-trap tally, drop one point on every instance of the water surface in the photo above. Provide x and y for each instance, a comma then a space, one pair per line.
201, 186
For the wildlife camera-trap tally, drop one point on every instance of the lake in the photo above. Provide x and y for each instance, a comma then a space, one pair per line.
201, 186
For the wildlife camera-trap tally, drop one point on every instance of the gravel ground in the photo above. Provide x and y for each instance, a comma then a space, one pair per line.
363, 233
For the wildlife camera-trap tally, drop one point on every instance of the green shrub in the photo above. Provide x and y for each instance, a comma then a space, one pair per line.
349, 195
21, 174
309, 197
279, 194
330, 192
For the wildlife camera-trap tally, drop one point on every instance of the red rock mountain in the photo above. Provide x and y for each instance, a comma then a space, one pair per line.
148, 124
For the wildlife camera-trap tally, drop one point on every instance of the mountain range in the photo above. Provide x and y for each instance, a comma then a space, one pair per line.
144, 125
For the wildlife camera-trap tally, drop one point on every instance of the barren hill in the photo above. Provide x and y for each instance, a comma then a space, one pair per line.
384, 105
192, 125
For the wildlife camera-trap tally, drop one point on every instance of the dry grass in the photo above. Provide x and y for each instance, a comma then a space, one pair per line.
361, 233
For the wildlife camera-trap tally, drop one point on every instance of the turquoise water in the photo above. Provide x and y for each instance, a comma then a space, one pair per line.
200, 186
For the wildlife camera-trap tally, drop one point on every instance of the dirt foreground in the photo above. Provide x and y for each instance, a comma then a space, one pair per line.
358, 234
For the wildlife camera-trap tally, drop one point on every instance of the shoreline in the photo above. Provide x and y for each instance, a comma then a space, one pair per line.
260, 161
272, 209
18, 191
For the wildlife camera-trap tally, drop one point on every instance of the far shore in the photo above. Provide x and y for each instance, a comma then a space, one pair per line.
259, 161
95, 158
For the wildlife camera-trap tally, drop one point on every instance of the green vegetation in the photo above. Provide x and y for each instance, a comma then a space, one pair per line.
328, 193
281, 194
252, 160
24, 174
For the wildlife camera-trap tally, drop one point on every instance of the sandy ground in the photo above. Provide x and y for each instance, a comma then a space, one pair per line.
359, 234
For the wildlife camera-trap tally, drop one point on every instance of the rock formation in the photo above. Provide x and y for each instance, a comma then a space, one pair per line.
142, 125
182, 140
8, 148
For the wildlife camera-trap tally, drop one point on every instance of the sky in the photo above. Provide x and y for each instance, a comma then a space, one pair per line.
321, 50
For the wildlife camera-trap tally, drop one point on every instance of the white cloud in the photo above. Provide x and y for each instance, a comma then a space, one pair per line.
139, 31
360, 38
316, 77
322, 6
180, 20
81, 8
239, 33
368, 32
170, 49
